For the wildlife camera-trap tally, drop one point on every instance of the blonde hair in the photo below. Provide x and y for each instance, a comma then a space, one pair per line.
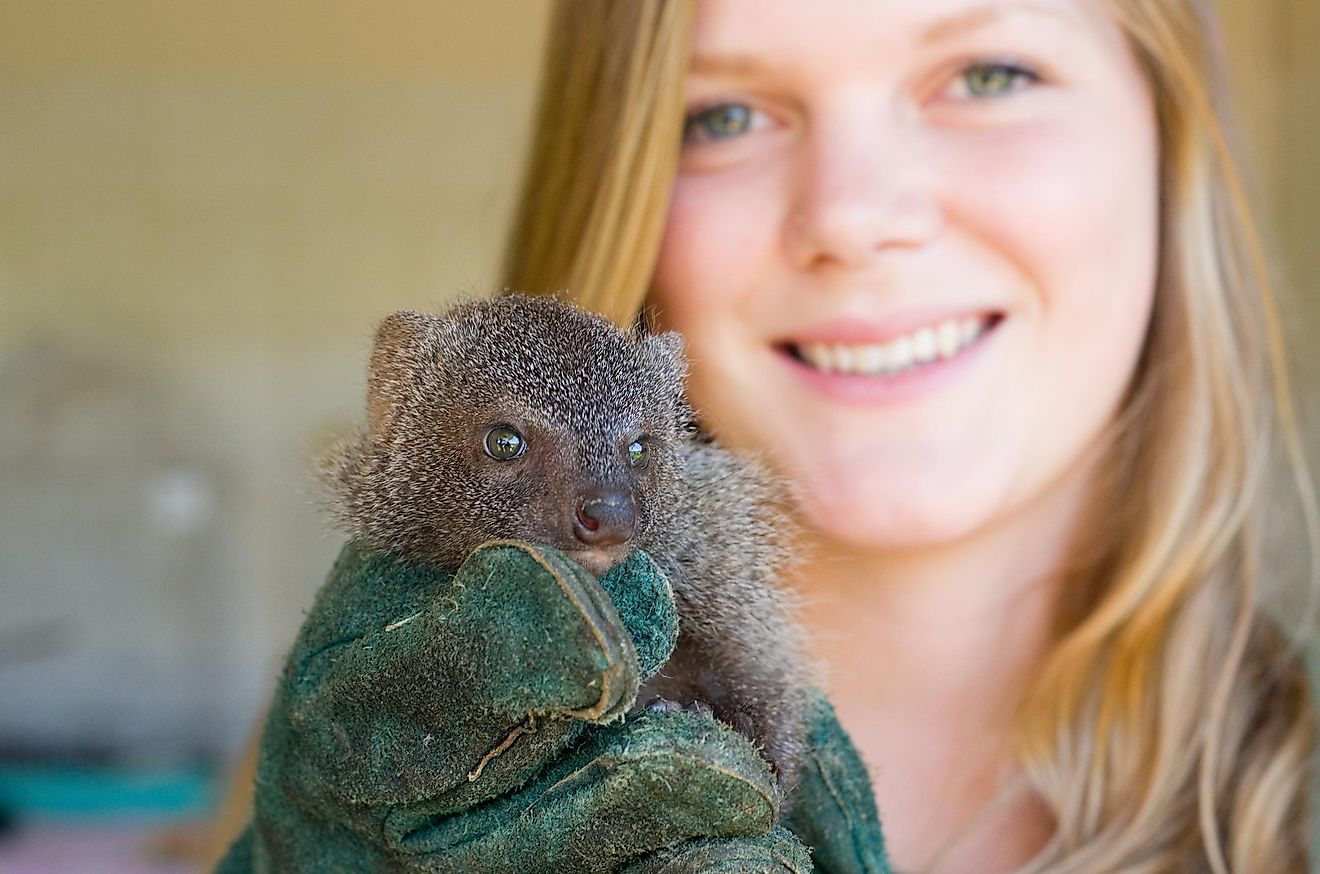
604, 154
1171, 728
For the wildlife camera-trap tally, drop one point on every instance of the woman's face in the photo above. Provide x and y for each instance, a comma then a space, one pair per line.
912, 246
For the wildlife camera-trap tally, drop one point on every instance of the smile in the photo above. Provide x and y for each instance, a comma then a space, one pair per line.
936, 342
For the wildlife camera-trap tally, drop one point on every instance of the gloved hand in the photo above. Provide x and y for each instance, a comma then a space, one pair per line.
832, 808
471, 722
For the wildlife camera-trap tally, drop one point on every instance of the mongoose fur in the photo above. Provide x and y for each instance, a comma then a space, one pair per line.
599, 459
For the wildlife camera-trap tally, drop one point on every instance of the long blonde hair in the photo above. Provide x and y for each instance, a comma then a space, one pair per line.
1171, 728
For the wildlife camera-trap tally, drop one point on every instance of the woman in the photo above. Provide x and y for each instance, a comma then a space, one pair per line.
979, 280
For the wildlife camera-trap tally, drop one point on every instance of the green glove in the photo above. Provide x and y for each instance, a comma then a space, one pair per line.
470, 722
833, 809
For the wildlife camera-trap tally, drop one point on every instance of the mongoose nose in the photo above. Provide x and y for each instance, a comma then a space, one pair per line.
604, 517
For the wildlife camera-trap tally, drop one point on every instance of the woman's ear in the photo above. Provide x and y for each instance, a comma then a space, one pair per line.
400, 346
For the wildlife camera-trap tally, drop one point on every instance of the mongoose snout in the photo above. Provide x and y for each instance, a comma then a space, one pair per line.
605, 517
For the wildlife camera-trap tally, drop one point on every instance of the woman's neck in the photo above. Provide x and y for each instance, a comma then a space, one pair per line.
925, 655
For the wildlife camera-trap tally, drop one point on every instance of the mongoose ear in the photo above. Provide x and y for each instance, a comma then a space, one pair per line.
666, 351
395, 356
666, 354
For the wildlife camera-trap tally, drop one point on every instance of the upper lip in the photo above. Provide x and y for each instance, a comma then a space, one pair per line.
863, 330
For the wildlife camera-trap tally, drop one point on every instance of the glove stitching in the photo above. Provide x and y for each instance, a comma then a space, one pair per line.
500, 748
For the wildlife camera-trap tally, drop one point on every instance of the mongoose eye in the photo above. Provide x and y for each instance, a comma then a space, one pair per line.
638, 454
504, 444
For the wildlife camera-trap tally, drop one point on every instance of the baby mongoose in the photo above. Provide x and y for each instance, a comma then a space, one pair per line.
528, 418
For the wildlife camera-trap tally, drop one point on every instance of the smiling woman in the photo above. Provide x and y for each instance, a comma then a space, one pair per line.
885, 197
978, 279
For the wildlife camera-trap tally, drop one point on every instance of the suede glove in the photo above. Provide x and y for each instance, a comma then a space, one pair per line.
470, 722
832, 809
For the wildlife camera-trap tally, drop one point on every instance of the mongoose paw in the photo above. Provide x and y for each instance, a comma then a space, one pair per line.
701, 708
660, 704
743, 724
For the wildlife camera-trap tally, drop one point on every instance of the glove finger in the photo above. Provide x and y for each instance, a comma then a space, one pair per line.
832, 808
627, 790
564, 653
642, 595
445, 702
541, 636
779, 851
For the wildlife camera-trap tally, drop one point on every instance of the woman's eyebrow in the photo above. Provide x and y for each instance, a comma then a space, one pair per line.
988, 13
963, 21
726, 65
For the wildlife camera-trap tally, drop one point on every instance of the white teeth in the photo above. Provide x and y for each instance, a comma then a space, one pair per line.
942, 340
900, 353
948, 339
844, 359
969, 329
819, 355
871, 358
923, 346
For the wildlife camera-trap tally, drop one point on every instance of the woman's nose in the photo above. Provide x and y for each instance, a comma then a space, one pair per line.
860, 192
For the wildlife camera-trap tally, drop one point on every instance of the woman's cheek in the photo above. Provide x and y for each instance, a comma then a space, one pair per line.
1072, 206
715, 234
1071, 198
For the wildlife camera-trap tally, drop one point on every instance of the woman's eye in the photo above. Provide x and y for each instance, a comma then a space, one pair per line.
993, 79
722, 122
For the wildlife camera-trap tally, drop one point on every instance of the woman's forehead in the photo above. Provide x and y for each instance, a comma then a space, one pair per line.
732, 32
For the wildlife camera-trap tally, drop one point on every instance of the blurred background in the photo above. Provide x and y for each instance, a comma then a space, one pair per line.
205, 207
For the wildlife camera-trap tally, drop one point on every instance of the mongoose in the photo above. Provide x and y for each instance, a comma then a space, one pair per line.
529, 418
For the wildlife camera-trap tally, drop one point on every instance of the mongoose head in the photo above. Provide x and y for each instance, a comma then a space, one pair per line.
516, 417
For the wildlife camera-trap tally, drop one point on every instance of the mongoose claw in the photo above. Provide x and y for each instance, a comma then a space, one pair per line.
701, 708
662, 705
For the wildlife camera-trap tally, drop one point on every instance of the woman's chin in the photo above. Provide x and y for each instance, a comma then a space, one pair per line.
876, 519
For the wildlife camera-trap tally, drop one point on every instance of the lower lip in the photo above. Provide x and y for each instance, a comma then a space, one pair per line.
879, 389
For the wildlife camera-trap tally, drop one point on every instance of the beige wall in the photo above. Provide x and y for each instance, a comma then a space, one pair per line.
204, 208
1276, 66
1276, 77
